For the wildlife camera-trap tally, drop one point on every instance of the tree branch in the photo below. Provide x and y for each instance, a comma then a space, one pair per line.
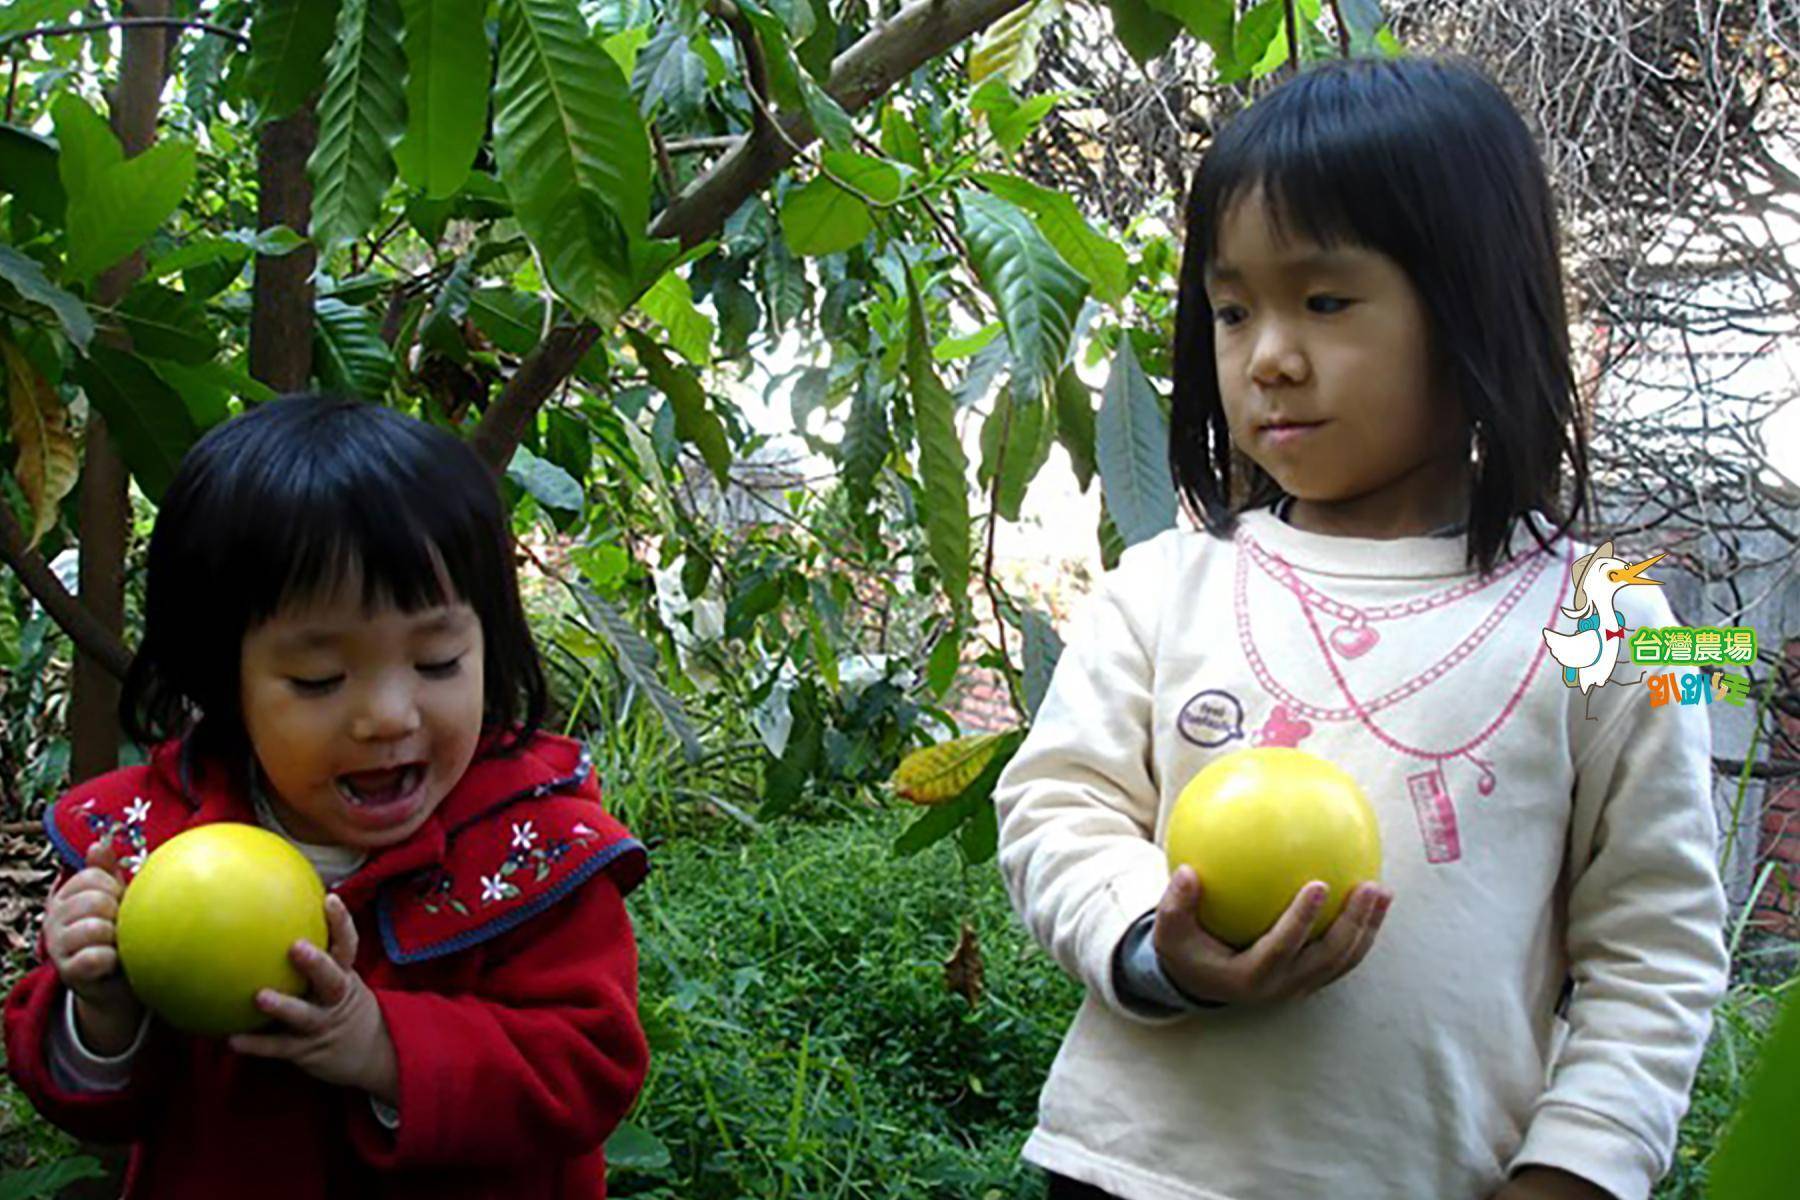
44, 31
88, 634
917, 34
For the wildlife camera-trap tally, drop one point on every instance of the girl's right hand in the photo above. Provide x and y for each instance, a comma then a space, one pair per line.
81, 936
1280, 965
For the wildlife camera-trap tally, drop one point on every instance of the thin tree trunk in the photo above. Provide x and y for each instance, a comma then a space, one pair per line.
105, 505
282, 300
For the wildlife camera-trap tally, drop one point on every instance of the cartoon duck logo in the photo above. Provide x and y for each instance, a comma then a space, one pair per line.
1589, 655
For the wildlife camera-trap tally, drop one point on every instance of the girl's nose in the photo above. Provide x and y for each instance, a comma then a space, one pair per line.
387, 712
1276, 357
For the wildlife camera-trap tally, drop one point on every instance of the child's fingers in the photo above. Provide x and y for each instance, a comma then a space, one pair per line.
1277, 949
89, 965
326, 980
104, 855
1177, 931
1361, 920
343, 932
267, 1045
297, 1014
88, 902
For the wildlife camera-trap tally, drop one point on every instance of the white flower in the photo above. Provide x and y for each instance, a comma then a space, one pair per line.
492, 888
524, 836
138, 811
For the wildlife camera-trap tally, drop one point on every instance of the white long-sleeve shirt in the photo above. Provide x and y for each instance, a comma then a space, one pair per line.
1525, 844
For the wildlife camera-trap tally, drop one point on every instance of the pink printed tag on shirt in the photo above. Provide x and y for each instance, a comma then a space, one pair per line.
1437, 816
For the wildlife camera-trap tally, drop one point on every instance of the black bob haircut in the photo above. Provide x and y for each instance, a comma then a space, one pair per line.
1426, 162
281, 504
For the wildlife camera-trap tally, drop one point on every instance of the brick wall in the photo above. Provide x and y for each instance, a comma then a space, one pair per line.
1778, 908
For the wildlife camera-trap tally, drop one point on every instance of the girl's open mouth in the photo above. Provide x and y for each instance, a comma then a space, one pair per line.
383, 795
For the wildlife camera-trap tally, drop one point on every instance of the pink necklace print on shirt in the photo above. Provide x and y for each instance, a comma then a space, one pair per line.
1291, 719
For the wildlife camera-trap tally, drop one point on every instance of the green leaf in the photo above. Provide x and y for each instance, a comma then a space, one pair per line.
1042, 649
946, 659
20, 15
1008, 47
207, 389
147, 419
361, 115
28, 170
822, 218
28, 279
115, 204
633, 1148
828, 116
668, 75
573, 154
201, 252
1212, 21
785, 782
695, 422
1755, 1159
1015, 442
670, 303
870, 178
1144, 32
1075, 424
548, 483
1256, 36
164, 323
961, 347
1039, 295
624, 46
900, 138
48, 1180
1132, 446
942, 820
511, 320
446, 97
348, 352
288, 41
1100, 259
639, 663
867, 443
980, 835
1009, 119
1363, 20
943, 468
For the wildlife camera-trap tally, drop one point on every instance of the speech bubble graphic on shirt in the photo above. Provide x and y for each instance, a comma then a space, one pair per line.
1589, 655
1211, 718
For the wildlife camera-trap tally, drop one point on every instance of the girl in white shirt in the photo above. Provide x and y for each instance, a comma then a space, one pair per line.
1375, 424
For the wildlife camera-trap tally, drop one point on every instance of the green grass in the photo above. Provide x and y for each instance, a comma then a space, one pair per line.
804, 1042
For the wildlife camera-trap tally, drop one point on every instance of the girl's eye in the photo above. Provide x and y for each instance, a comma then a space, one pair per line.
1228, 314
442, 670
315, 687
1327, 304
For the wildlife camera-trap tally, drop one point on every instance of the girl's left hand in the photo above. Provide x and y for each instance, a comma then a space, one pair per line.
336, 1032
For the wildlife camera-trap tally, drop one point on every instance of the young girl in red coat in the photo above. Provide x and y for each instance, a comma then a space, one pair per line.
334, 649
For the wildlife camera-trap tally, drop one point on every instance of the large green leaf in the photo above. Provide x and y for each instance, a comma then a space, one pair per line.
1042, 650
943, 469
361, 115
1038, 293
115, 203
822, 218
19, 15
1132, 446
147, 418
573, 154
1015, 442
49, 1179
867, 443
1144, 32
288, 40
28, 171
1075, 424
348, 352
1213, 22
695, 421
28, 279
638, 662
513, 321
1100, 259
446, 97
548, 483
164, 323
670, 303
1755, 1159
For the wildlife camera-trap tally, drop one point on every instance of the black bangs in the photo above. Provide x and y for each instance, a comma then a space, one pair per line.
1426, 162
287, 503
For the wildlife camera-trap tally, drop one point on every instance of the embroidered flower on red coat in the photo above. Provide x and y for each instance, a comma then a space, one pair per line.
523, 835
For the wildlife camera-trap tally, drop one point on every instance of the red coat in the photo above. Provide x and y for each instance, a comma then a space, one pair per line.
497, 943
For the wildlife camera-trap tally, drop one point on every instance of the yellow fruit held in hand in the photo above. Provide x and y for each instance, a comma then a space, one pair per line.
1258, 825
209, 920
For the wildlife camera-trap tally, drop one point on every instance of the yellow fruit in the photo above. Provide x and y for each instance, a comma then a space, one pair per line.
209, 919
939, 773
1258, 825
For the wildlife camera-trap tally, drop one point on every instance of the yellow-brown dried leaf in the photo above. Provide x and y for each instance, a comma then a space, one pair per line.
938, 773
47, 466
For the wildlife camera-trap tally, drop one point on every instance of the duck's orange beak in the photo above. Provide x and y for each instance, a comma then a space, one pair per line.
1633, 573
